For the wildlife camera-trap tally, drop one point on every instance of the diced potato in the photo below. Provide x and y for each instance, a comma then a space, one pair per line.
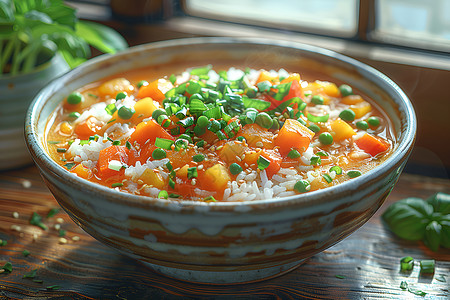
150, 177
144, 109
257, 136
361, 109
114, 86
352, 99
230, 150
82, 171
323, 87
216, 177
342, 130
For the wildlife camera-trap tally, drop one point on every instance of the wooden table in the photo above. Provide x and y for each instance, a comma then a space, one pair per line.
365, 265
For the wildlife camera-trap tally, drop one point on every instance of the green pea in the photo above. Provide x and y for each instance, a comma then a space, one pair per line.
74, 115
235, 169
354, 173
362, 125
75, 98
121, 95
294, 154
314, 128
336, 169
374, 121
275, 124
346, 90
264, 120
302, 186
347, 115
200, 143
198, 157
251, 92
158, 112
202, 121
141, 84
317, 99
326, 138
125, 112
159, 153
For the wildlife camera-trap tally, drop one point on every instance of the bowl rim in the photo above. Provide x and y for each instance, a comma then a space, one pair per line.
403, 149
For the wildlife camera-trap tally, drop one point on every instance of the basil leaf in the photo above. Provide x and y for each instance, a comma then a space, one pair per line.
432, 237
440, 203
408, 218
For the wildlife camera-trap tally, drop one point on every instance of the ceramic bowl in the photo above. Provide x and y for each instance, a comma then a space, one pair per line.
225, 242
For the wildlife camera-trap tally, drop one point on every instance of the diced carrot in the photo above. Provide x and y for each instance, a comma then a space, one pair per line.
87, 128
323, 87
114, 86
371, 144
155, 89
147, 132
82, 171
231, 150
180, 158
291, 77
342, 130
293, 135
140, 155
266, 76
275, 162
119, 153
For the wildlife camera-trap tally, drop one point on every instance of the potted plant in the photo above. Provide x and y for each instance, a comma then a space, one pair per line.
39, 40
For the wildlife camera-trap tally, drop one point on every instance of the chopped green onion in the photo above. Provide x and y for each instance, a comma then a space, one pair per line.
196, 106
221, 135
327, 178
3, 243
54, 142
307, 93
116, 184
69, 165
158, 112
427, 266
192, 172
302, 186
201, 71
303, 122
74, 115
200, 143
121, 95
294, 154
158, 154
193, 87
315, 161
406, 263
317, 99
198, 157
354, 173
340, 276
403, 285
36, 220
255, 103
262, 162
241, 139
7, 267
336, 169
171, 183
53, 287
317, 119
235, 169
210, 199
163, 143
214, 126
173, 78
61, 150
213, 113
115, 165
52, 212
169, 166
142, 83
116, 143
347, 115
163, 194
110, 121
322, 153
128, 145
172, 195
25, 252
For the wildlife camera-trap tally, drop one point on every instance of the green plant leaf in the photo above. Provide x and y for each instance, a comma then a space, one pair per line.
101, 37
432, 236
6, 11
440, 203
56, 10
445, 234
408, 218
38, 16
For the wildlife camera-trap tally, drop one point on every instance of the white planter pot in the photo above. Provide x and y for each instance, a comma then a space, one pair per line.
16, 94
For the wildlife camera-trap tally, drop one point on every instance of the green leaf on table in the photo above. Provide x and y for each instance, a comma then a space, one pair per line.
7, 267
440, 203
30, 274
432, 237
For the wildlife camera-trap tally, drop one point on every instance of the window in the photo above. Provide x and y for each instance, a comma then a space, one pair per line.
336, 17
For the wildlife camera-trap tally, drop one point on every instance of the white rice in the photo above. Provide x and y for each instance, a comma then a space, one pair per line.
97, 110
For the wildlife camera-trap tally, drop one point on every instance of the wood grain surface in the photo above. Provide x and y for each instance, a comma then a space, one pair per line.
363, 266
